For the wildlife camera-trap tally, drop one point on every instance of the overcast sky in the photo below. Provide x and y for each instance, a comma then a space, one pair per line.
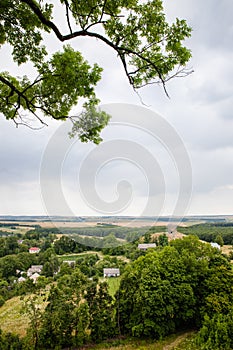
200, 112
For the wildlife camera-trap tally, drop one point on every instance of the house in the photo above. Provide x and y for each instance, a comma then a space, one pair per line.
34, 250
111, 272
34, 277
69, 262
145, 246
33, 269
21, 279
215, 245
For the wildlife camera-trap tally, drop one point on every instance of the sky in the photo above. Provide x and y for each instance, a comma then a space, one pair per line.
136, 170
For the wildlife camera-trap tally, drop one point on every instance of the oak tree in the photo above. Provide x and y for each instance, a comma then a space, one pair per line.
149, 48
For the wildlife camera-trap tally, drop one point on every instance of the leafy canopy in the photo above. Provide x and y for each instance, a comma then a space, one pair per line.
149, 48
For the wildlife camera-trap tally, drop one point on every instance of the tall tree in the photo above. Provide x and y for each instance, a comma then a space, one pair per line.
149, 48
56, 329
34, 311
101, 310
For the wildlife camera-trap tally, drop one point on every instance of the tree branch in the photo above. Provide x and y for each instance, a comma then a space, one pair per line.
119, 49
42, 18
21, 94
67, 16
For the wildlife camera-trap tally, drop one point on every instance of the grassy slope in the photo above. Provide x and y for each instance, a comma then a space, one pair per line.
11, 318
74, 256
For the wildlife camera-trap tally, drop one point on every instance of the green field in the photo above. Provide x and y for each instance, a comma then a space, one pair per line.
113, 283
70, 257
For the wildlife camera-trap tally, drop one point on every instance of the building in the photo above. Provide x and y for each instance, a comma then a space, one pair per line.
34, 277
111, 272
34, 250
21, 279
215, 245
69, 262
33, 269
145, 246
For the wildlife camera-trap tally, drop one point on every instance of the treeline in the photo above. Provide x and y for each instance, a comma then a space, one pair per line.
9, 224
211, 232
127, 233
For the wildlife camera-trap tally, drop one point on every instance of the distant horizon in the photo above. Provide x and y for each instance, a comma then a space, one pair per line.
112, 216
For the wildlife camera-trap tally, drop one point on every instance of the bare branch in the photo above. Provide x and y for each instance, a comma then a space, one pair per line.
102, 13
67, 16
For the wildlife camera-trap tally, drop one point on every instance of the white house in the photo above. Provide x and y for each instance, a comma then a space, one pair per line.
34, 250
215, 245
34, 277
69, 262
145, 246
111, 272
21, 279
33, 269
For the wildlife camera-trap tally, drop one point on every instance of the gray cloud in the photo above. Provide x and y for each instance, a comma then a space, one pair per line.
200, 109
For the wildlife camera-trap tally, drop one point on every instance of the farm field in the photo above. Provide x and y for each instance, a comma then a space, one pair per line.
70, 224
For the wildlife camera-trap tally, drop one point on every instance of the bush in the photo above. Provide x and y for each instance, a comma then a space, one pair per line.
2, 300
216, 332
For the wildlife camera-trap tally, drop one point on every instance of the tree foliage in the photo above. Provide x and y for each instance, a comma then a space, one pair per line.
216, 332
209, 232
10, 341
175, 287
150, 49
101, 310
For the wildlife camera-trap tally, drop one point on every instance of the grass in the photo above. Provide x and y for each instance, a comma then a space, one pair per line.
226, 249
113, 284
11, 318
74, 256
180, 341
188, 343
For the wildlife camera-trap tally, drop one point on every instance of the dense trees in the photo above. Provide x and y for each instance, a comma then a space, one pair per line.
154, 297
101, 310
10, 341
216, 332
215, 232
77, 310
68, 245
149, 48
175, 287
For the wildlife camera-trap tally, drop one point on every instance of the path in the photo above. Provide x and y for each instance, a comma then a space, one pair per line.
177, 341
